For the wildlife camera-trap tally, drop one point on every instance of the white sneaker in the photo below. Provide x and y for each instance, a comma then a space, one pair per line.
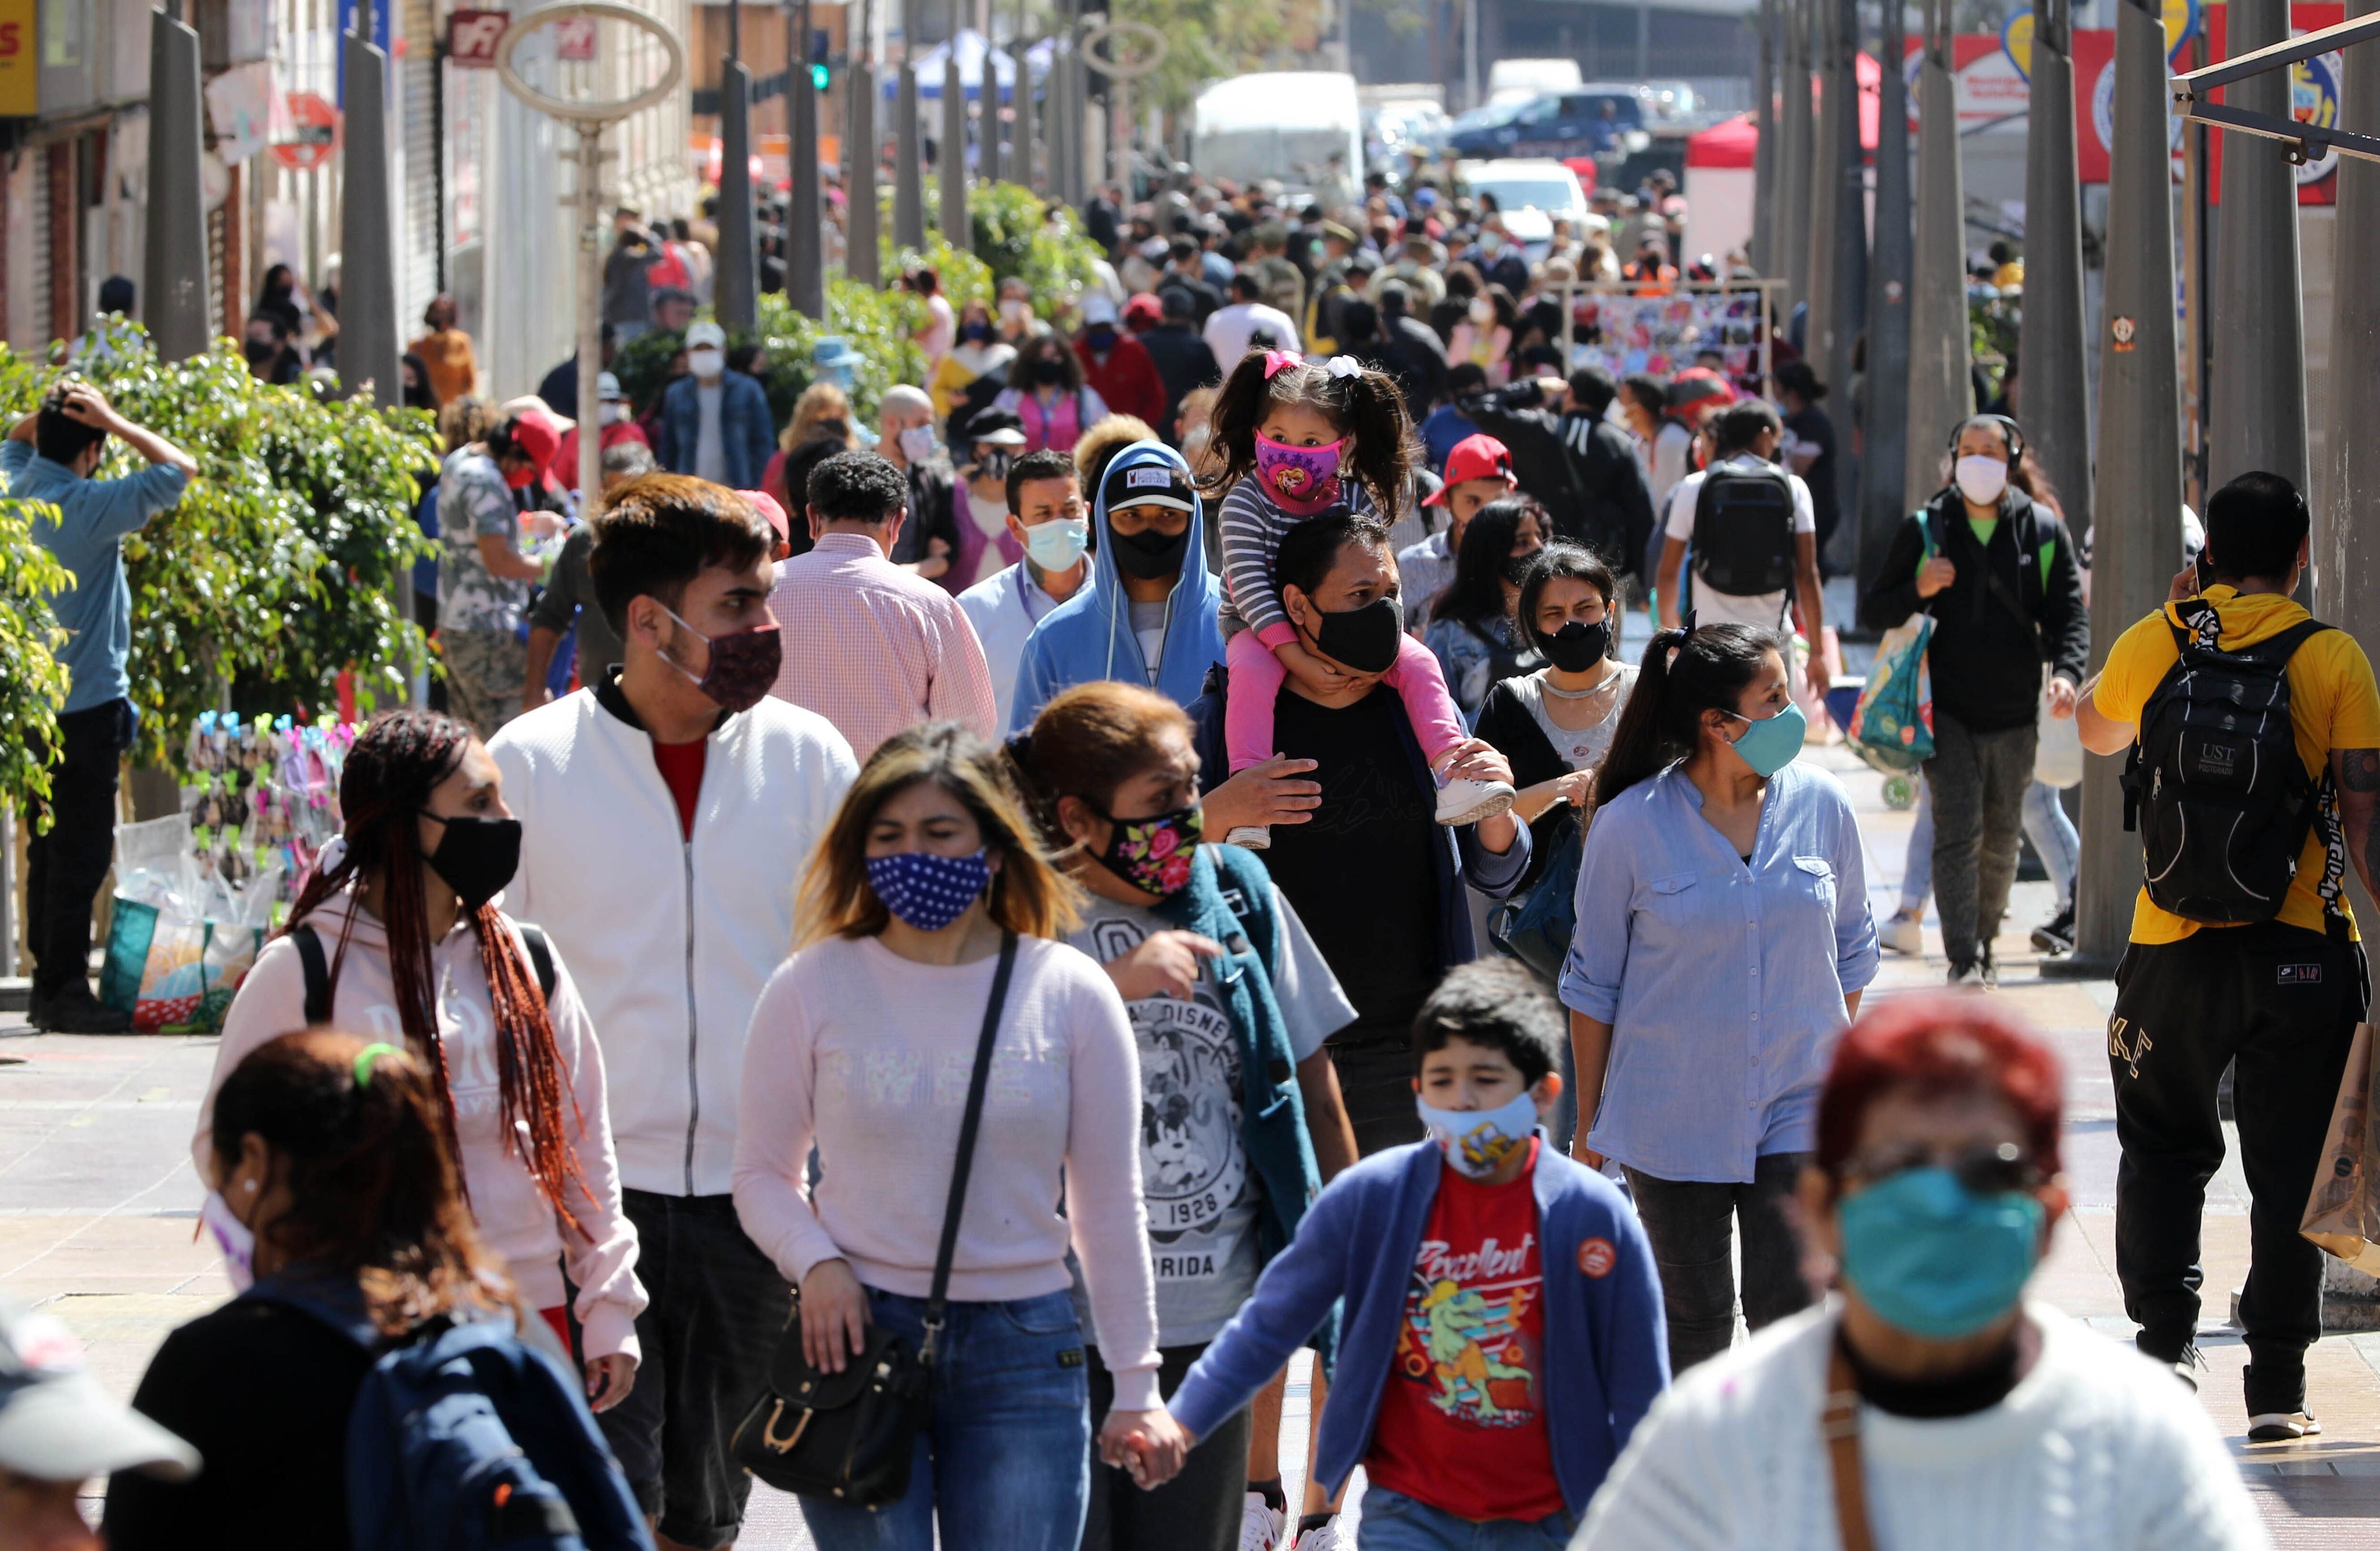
2281, 1426
1261, 1526
1325, 1536
1904, 934
1466, 800
1251, 837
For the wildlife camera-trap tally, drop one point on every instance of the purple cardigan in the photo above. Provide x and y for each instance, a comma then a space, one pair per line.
961, 573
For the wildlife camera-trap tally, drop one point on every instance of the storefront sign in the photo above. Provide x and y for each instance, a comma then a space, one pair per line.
471, 38
313, 132
20, 94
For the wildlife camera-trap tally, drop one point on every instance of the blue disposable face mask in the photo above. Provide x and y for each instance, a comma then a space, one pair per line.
1771, 743
1057, 544
926, 890
1476, 1142
1936, 1259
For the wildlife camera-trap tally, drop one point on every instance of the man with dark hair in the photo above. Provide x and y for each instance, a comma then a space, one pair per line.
1184, 361
1743, 459
1420, 353
2277, 993
49, 457
868, 646
1450, 422
665, 811
1579, 465
1232, 331
1046, 515
1185, 270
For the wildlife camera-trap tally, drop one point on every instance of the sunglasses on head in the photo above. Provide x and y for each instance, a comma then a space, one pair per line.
1986, 1168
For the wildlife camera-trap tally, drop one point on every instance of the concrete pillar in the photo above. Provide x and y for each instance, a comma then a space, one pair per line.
1846, 163
2052, 396
2137, 496
1826, 188
1884, 434
1794, 157
368, 347
805, 200
174, 266
1940, 392
2256, 407
950, 167
734, 292
1764, 156
861, 219
908, 166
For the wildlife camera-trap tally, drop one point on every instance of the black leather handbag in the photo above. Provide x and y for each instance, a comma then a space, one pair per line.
849, 1437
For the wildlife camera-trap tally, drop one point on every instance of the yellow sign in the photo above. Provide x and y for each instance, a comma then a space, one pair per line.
2180, 24
2016, 41
21, 70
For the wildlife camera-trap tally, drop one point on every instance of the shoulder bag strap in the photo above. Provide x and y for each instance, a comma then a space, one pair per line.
1840, 1424
318, 974
540, 956
938, 1298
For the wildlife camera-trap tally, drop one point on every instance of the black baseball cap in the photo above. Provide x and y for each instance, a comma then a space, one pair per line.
1150, 482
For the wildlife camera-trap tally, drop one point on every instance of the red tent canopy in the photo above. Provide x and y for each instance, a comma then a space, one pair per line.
1731, 144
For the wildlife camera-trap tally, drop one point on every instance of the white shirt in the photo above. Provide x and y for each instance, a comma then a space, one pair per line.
1004, 609
1762, 611
941, 328
1230, 329
709, 448
1673, 447
2096, 1450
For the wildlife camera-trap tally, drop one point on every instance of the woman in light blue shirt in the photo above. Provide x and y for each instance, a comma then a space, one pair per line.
1723, 941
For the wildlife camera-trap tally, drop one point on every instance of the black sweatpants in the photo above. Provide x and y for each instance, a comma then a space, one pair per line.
2283, 1003
64, 867
1197, 1511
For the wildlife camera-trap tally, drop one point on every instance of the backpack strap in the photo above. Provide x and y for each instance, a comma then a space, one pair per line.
318, 974
541, 955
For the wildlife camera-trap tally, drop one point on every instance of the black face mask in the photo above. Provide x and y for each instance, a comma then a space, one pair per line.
1150, 556
1577, 647
259, 351
1365, 639
1048, 370
477, 856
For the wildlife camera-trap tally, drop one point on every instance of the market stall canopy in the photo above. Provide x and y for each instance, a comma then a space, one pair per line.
974, 48
1729, 145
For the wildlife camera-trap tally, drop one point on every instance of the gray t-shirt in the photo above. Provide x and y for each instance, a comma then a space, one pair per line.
1194, 1166
1587, 744
1148, 628
710, 446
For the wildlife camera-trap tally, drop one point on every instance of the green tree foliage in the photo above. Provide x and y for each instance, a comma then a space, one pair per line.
32, 682
285, 564
1208, 40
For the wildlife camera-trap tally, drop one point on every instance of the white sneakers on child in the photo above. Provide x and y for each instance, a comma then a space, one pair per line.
1326, 1537
1261, 1525
1465, 799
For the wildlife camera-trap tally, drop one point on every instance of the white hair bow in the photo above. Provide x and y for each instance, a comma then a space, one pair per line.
1343, 366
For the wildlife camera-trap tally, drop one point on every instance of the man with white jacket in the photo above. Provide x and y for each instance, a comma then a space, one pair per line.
668, 813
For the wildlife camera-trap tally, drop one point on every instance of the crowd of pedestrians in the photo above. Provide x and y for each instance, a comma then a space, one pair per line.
979, 937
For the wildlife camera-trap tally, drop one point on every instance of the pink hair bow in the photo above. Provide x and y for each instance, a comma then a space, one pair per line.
1277, 361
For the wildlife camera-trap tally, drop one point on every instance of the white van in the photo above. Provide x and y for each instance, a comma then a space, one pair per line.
1303, 127
1518, 80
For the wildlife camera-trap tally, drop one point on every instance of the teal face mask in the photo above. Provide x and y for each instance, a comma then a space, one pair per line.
1934, 1259
1057, 544
1772, 743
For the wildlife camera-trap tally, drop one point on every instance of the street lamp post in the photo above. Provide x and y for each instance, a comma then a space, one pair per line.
732, 289
174, 263
1940, 391
951, 166
1885, 441
369, 348
590, 119
806, 209
859, 157
1764, 151
1793, 239
908, 159
2051, 345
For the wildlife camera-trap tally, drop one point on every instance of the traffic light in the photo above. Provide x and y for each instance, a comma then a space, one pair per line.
818, 77
819, 53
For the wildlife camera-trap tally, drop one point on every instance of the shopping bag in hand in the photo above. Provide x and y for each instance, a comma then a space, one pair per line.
1893, 723
2342, 1214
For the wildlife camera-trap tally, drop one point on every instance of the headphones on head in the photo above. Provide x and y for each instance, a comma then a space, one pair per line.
2009, 430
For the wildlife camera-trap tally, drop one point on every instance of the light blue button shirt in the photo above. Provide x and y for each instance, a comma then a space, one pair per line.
87, 536
1723, 982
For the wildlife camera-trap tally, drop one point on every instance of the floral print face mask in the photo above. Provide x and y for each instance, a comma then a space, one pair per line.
1154, 853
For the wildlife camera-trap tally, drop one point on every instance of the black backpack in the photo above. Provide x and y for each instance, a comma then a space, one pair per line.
1743, 530
316, 967
2214, 783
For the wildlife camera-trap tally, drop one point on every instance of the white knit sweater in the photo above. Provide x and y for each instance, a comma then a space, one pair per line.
2096, 1450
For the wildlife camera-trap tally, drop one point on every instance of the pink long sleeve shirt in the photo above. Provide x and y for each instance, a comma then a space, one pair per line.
868, 1055
514, 1216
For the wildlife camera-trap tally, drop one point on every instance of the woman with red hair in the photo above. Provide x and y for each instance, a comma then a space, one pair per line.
1929, 1403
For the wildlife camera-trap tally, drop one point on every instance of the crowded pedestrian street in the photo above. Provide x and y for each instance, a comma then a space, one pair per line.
1389, 775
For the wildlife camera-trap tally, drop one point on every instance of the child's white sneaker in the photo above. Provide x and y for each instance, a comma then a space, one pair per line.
1261, 1524
1326, 1537
1258, 837
1467, 800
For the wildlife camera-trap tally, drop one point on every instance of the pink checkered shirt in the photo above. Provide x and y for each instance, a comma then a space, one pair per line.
874, 648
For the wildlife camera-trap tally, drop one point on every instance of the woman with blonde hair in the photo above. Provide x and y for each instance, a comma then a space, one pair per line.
929, 913
816, 414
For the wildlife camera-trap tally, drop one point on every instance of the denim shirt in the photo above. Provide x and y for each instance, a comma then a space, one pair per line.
86, 538
1723, 982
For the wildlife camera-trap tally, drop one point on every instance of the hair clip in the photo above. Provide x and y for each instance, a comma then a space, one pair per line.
1686, 622
364, 1058
1343, 366
1278, 361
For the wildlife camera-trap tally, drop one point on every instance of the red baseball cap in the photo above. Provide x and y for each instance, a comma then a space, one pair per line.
538, 433
766, 504
1474, 457
1143, 311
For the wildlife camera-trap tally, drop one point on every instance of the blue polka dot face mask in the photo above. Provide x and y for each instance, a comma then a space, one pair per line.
926, 890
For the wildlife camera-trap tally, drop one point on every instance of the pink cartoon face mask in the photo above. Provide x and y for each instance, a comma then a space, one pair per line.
1303, 480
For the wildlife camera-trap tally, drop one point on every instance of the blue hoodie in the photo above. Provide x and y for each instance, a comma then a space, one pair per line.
1089, 635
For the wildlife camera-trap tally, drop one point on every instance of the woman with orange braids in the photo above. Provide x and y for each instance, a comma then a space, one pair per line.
407, 945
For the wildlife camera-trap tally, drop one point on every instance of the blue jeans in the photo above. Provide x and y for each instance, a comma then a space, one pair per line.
2046, 825
1005, 1465
1392, 1521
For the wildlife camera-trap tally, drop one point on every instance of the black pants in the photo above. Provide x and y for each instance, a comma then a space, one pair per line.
1691, 1224
1978, 782
1197, 1511
718, 1305
1376, 1084
2282, 1003
64, 867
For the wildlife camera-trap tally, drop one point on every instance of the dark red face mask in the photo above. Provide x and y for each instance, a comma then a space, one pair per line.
743, 666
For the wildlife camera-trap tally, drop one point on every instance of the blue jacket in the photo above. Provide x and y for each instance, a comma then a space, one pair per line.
746, 434
1090, 637
1457, 860
1606, 1352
